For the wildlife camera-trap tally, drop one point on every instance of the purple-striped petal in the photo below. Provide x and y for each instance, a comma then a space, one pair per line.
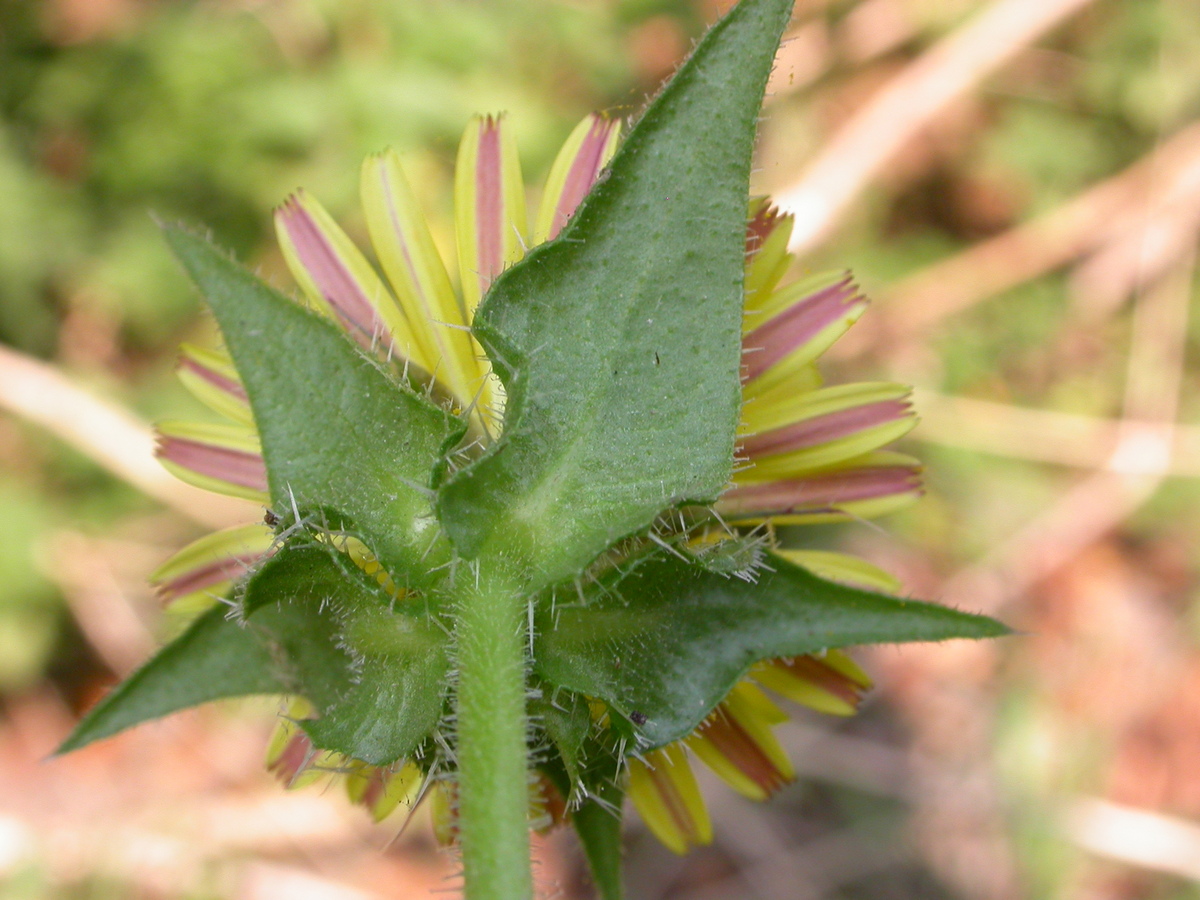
784, 334
489, 205
215, 458
825, 429
210, 377
234, 466
204, 577
832, 684
831, 492
737, 743
212, 561
406, 250
578, 165
334, 273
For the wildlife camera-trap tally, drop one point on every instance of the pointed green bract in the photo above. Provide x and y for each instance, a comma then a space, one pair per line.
567, 722
667, 641
619, 343
598, 824
593, 781
374, 668
340, 437
213, 659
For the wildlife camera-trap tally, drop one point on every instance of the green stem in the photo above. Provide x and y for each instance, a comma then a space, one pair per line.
493, 802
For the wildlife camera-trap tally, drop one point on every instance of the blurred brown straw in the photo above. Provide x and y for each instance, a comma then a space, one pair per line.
84, 570
907, 104
1157, 232
1139, 837
1111, 213
107, 434
1041, 435
1139, 463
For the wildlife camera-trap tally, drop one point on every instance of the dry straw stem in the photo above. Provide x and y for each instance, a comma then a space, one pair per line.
1137, 837
102, 431
1140, 461
1042, 435
84, 570
1162, 190
1160, 229
906, 105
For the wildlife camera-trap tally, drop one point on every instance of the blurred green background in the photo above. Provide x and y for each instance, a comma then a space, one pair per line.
1030, 240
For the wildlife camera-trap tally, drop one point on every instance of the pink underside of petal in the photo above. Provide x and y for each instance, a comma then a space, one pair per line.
489, 205
821, 492
827, 678
216, 379
673, 800
336, 284
584, 171
373, 792
733, 742
294, 758
759, 228
778, 337
823, 429
234, 466
211, 573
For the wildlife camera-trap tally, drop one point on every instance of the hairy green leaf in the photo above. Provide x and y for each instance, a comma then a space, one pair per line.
597, 795
619, 343
340, 437
565, 718
374, 668
213, 659
598, 823
663, 644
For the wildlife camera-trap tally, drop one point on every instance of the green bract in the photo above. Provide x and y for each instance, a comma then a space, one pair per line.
663, 639
341, 438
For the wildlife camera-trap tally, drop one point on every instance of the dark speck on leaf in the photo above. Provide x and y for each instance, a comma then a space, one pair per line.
637, 718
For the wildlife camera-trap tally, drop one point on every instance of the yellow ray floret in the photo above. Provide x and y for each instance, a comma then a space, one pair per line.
664, 790
418, 276
489, 206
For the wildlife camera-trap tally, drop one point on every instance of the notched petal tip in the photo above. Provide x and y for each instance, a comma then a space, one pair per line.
791, 327
578, 166
737, 743
336, 277
489, 205
225, 459
382, 789
212, 563
833, 684
665, 794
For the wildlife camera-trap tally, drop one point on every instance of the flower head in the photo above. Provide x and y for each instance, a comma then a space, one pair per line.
806, 452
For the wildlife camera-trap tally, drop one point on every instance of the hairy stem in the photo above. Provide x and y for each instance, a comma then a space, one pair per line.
492, 754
